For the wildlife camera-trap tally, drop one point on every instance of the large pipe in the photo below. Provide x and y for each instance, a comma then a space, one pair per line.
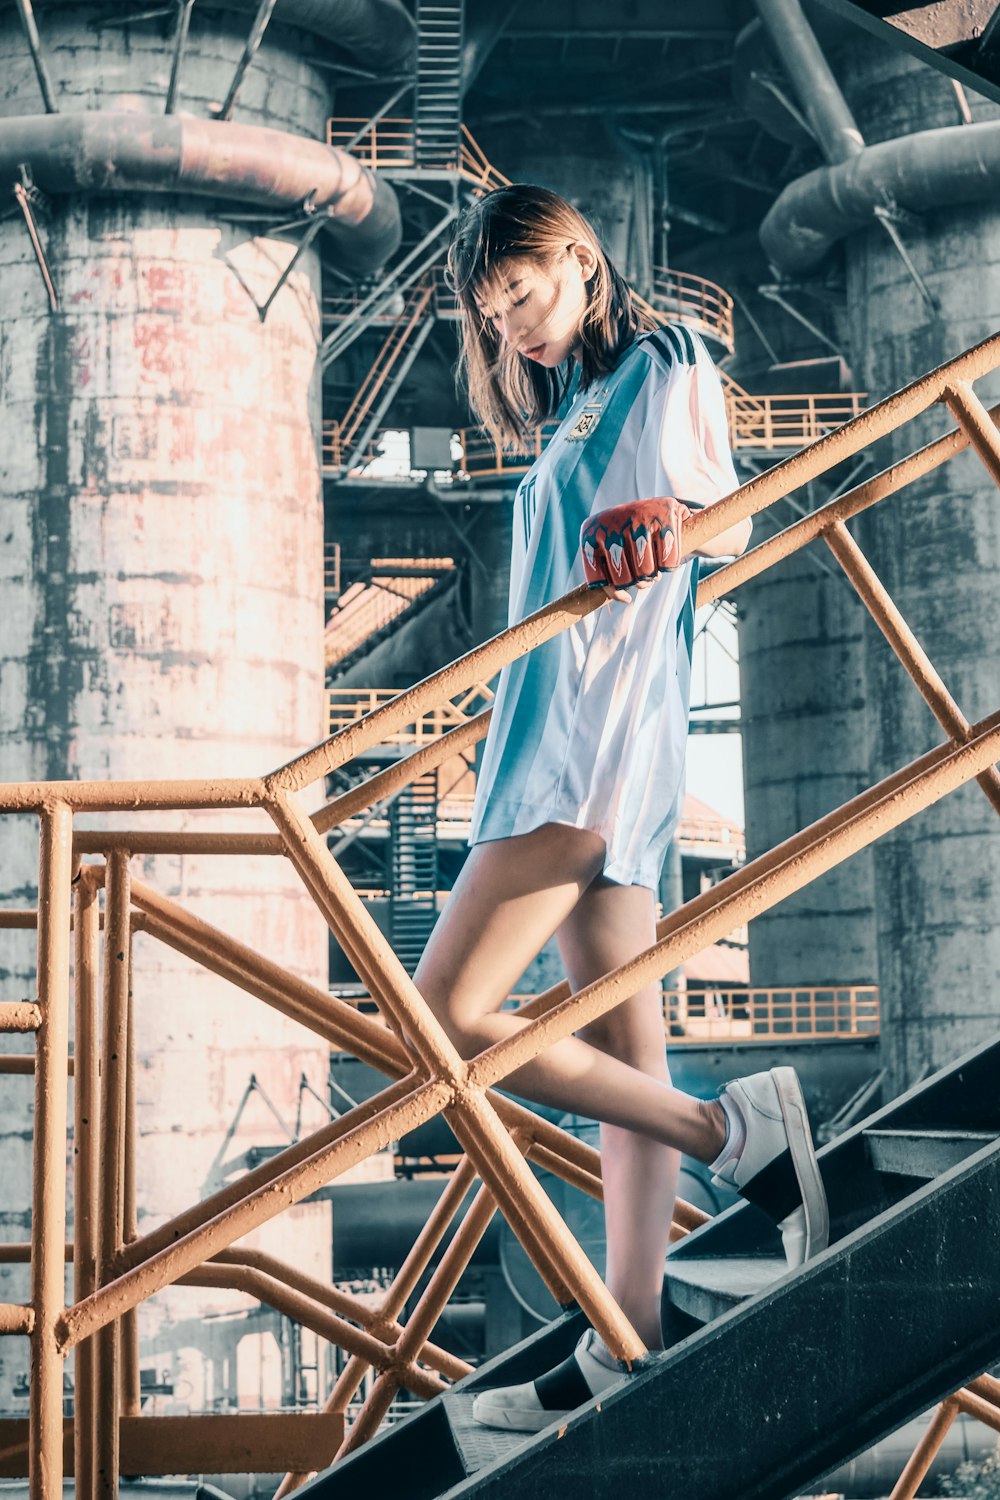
103, 151
929, 170
819, 94
379, 34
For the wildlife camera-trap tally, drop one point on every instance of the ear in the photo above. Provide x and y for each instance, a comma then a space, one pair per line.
586, 257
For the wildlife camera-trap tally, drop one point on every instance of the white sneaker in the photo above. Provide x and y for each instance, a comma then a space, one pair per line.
538, 1403
776, 1167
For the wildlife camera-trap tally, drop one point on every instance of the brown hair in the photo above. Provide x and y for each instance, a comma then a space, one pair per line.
511, 395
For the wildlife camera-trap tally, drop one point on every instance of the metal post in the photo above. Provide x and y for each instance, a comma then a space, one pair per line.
86, 1138
114, 1050
131, 1394
48, 1211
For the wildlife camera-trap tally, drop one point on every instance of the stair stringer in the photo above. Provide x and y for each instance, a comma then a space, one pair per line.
762, 1402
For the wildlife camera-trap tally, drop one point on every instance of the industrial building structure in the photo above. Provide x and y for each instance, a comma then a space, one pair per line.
243, 508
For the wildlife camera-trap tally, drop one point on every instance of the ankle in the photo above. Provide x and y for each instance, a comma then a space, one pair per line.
716, 1129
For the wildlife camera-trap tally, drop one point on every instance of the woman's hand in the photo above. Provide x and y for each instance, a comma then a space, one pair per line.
632, 543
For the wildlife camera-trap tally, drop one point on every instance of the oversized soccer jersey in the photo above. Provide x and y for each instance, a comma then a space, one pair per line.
590, 729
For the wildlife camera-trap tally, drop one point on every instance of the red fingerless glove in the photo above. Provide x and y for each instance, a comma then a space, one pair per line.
628, 542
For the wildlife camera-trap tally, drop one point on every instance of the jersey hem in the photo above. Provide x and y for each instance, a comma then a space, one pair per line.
503, 820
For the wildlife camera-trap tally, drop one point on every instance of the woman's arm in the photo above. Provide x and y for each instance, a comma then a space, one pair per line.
729, 543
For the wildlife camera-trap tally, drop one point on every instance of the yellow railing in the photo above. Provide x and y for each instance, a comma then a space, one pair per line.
114, 1272
773, 423
697, 1017
444, 303
748, 1014
691, 299
349, 705
389, 144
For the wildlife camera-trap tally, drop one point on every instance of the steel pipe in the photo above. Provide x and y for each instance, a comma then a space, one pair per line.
15, 1317
48, 1197
754, 496
924, 172
101, 151
302, 1309
908, 649
819, 92
20, 1016
86, 1140
358, 1135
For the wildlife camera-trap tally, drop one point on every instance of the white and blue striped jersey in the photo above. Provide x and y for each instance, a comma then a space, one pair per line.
590, 729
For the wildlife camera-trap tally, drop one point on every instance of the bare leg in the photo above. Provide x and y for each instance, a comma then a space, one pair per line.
608, 926
510, 898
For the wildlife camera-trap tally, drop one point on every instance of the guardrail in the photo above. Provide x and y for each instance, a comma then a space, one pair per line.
696, 301
749, 1014
388, 145
114, 1272
350, 705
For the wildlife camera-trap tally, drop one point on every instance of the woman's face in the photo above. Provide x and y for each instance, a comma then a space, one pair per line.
537, 307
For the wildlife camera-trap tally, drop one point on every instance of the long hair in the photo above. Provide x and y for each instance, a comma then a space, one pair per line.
510, 395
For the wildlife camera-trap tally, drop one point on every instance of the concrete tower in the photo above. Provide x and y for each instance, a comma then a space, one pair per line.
937, 548
924, 903
161, 532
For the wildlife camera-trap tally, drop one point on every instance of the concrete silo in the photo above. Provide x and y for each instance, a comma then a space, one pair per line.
161, 532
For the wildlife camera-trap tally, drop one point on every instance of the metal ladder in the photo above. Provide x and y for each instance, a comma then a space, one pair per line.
414, 863
438, 99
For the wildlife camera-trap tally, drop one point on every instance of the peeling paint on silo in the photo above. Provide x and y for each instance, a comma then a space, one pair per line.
161, 568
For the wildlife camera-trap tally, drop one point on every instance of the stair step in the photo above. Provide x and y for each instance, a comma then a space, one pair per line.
705, 1289
923, 1153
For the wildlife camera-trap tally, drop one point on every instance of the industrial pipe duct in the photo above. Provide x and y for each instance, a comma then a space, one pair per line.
106, 152
928, 170
380, 34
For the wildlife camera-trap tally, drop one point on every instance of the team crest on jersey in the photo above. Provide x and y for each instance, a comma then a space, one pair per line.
584, 425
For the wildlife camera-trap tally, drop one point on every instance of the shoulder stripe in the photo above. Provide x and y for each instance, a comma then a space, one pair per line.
684, 334
663, 345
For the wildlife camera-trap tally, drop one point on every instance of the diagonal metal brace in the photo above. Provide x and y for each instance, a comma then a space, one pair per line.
29, 199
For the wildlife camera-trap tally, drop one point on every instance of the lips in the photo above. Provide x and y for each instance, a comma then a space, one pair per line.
535, 353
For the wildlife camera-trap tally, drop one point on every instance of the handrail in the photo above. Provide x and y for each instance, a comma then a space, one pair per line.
495, 1135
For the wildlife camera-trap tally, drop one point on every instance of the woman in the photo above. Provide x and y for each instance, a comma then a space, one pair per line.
581, 784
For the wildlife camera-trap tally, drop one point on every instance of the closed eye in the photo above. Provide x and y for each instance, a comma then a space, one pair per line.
495, 317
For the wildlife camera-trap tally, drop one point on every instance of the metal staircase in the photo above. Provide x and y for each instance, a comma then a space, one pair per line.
771, 1378
412, 905
438, 95
347, 439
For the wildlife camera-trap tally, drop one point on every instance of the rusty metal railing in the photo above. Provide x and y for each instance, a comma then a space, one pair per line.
388, 144
694, 300
979, 1399
347, 706
746, 1013
114, 1271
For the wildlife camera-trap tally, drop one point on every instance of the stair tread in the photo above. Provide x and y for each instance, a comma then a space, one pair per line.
915, 1132
734, 1276
479, 1445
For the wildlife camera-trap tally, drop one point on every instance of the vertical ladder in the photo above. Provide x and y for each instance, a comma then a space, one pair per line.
437, 112
413, 832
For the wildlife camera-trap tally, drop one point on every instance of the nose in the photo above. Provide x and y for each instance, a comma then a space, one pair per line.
506, 327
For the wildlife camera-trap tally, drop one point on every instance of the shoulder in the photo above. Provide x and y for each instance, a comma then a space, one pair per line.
668, 349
